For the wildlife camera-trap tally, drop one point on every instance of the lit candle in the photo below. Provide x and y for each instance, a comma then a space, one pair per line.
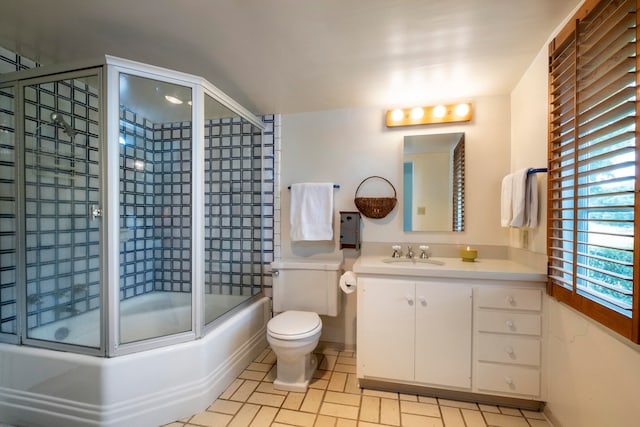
468, 254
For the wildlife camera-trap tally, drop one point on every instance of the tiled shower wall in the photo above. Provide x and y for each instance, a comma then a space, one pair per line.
137, 205
156, 207
61, 184
9, 62
235, 261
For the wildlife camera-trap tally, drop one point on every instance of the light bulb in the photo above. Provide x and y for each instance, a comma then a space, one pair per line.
397, 115
439, 111
462, 110
417, 113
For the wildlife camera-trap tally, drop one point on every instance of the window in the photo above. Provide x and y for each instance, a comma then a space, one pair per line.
458, 186
593, 165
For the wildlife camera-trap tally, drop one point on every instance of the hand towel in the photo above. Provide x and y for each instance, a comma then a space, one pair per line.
531, 201
311, 211
505, 201
518, 204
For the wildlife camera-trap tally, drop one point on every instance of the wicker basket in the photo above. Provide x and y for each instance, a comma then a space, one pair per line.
375, 207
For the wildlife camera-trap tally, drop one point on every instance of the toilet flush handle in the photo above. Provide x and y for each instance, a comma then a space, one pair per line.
275, 273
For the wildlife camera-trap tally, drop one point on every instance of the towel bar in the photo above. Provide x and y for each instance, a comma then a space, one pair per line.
334, 186
537, 170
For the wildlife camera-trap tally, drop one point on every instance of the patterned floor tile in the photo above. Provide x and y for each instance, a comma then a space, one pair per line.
334, 399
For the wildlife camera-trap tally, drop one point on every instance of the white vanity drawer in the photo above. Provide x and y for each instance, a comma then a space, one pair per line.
508, 379
508, 349
509, 323
508, 298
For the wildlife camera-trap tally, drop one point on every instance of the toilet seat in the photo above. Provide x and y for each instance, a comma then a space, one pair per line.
294, 325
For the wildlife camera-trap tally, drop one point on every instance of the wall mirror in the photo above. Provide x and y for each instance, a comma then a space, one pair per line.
433, 182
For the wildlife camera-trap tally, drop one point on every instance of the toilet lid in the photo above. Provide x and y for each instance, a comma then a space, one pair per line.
292, 325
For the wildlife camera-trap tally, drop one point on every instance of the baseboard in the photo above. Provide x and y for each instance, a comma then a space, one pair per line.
531, 405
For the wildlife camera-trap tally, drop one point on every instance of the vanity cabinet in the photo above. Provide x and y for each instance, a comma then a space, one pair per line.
507, 335
415, 332
452, 328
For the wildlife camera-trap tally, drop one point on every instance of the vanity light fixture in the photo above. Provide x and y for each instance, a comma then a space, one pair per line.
444, 113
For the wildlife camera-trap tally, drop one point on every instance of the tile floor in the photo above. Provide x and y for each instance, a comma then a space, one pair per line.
335, 400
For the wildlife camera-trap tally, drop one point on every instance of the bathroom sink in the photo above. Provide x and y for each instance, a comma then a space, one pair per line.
412, 261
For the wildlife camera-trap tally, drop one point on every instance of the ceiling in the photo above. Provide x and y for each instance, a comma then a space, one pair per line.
291, 56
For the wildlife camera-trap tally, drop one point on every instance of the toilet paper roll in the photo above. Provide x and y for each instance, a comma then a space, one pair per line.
348, 282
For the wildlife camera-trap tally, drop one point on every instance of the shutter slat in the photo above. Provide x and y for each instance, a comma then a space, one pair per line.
612, 84
592, 112
626, 109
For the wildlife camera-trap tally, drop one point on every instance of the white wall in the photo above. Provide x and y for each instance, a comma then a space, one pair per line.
529, 144
346, 146
592, 374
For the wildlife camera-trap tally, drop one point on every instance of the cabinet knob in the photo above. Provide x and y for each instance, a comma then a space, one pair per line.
509, 351
422, 300
510, 325
511, 300
509, 381
409, 299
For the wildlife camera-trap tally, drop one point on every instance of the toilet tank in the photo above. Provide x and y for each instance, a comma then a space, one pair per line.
307, 285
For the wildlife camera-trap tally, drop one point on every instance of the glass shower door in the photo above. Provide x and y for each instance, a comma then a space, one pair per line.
62, 209
232, 209
155, 208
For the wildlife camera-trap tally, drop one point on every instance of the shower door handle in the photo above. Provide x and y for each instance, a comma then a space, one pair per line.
94, 212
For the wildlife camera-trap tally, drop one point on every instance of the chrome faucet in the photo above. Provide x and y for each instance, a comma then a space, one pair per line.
423, 252
409, 252
396, 251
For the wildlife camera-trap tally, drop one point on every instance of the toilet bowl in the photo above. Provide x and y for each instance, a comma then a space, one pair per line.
293, 335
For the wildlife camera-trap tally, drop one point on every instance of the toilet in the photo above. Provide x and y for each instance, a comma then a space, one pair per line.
302, 290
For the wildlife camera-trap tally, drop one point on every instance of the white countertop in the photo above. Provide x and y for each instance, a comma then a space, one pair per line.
455, 268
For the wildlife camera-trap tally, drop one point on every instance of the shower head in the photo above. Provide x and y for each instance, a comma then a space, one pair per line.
59, 120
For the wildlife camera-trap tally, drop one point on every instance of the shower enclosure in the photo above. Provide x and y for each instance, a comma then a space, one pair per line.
130, 207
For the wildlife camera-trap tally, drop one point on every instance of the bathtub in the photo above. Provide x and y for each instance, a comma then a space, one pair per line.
155, 314
40, 387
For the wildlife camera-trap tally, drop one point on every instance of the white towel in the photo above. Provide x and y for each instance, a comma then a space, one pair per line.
505, 201
518, 201
311, 211
531, 201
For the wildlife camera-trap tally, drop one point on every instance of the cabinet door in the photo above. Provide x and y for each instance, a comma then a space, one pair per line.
386, 310
443, 334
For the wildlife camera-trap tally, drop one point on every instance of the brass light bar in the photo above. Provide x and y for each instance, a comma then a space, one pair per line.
444, 113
